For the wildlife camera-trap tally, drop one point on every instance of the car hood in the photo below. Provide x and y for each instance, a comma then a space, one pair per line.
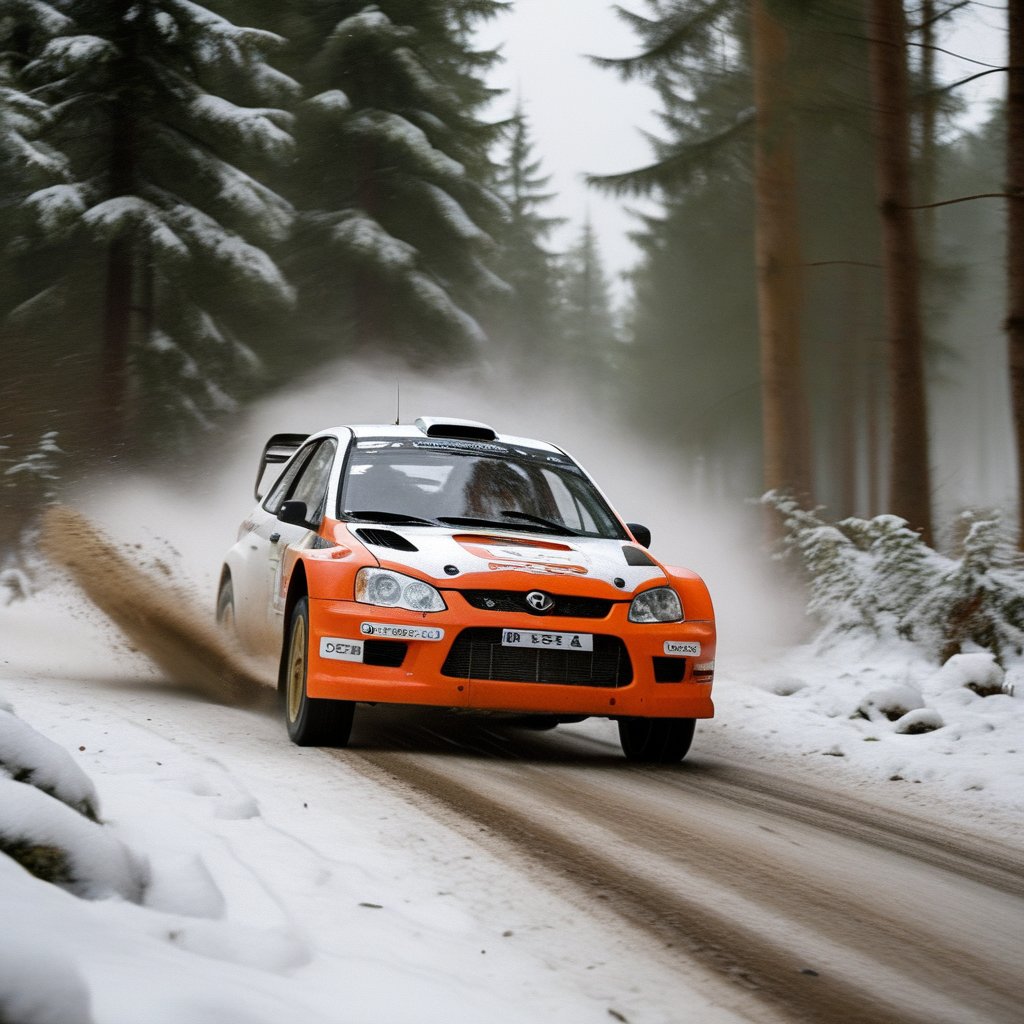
449, 556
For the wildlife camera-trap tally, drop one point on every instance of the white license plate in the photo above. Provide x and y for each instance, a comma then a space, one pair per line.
401, 632
551, 641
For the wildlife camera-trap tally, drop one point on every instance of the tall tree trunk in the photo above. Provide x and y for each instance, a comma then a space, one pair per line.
929, 118
785, 418
119, 287
117, 328
909, 472
1015, 237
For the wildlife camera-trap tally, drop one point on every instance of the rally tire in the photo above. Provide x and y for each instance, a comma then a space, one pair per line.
226, 606
656, 740
311, 721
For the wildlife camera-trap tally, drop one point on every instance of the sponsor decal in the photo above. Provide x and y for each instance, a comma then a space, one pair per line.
554, 641
532, 554
389, 632
682, 649
337, 648
539, 567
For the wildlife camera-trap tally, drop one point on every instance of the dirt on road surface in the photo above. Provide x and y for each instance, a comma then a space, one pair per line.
817, 906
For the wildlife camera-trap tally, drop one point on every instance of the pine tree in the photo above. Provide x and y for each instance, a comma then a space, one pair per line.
27, 162
396, 242
590, 339
155, 244
530, 323
735, 165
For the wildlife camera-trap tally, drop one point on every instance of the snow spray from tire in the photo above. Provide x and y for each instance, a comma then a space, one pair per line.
158, 620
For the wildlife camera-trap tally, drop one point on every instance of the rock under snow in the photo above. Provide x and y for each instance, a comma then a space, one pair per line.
919, 721
977, 671
890, 703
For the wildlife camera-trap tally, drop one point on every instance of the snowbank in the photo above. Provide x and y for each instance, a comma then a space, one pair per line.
885, 714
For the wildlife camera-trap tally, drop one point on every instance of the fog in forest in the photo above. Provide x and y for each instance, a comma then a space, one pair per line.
324, 215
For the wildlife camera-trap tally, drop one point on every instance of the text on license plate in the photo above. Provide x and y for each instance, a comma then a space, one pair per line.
553, 641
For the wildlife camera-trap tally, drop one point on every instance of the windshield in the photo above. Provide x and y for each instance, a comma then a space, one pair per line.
469, 483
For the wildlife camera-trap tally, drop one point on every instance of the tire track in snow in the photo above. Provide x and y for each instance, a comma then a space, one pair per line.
819, 908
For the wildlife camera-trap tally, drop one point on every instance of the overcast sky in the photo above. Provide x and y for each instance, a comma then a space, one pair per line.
585, 120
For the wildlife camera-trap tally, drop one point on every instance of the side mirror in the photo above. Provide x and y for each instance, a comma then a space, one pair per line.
640, 533
293, 512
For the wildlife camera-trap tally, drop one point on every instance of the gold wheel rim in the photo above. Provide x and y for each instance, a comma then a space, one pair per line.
297, 669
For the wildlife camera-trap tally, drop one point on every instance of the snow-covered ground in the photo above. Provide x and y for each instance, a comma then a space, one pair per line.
235, 878
238, 879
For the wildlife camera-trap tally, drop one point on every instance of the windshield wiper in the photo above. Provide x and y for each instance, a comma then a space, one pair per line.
374, 516
540, 521
535, 523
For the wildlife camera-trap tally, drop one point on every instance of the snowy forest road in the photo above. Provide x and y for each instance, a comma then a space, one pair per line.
816, 905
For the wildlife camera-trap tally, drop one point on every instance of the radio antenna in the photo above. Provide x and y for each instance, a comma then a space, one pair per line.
398, 401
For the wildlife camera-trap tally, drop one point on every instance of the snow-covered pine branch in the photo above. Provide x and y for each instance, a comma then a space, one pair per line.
878, 577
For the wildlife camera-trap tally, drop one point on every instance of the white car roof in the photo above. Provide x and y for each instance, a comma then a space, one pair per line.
411, 431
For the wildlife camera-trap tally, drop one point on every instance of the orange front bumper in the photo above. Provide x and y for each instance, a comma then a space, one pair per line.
423, 678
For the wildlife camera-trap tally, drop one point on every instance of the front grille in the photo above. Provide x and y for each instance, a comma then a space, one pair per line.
389, 653
515, 601
478, 654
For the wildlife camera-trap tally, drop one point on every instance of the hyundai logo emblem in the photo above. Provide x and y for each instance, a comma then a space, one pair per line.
539, 601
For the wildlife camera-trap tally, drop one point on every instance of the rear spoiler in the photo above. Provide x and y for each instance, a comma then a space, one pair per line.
280, 448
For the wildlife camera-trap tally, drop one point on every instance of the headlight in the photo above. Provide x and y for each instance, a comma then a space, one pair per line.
658, 605
393, 590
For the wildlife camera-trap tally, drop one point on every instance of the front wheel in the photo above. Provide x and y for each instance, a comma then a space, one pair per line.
226, 606
311, 721
656, 740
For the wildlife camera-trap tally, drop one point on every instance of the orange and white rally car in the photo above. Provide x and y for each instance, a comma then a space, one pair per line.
445, 564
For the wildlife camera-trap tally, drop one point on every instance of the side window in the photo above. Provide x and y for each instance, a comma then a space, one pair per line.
311, 486
282, 489
570, 508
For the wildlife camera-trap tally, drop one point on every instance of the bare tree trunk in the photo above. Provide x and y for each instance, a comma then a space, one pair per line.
118, 298
117, 327
785, 417
910, 476
929, 112
1015, 238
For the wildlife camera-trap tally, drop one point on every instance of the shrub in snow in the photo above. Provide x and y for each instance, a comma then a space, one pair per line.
877, 576
890, 704
28, 756
28, 479
49, 819
58, 845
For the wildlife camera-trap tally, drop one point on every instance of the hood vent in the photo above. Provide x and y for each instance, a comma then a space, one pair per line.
385, 539
636, 556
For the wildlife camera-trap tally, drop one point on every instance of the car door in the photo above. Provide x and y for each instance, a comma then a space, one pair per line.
310, 486
253, 590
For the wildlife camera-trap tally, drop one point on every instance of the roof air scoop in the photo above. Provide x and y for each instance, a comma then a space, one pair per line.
465, 430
